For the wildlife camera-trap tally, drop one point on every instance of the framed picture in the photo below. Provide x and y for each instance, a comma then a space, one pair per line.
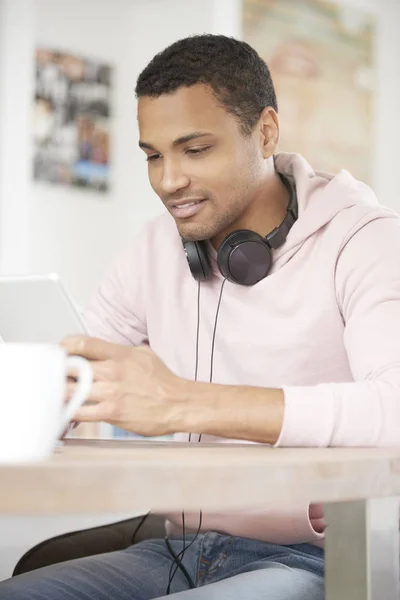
72, 109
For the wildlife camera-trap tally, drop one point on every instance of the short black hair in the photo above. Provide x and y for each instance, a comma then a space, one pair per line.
238, 76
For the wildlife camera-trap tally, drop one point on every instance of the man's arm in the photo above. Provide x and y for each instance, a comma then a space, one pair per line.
365, 412
239, 412
135, 390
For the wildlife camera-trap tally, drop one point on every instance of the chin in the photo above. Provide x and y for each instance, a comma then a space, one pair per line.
193, 232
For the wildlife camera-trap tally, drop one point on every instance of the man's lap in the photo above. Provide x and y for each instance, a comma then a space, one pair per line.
275, 582
138, 573
219, 565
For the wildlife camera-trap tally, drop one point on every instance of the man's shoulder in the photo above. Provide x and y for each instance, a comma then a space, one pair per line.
368, 220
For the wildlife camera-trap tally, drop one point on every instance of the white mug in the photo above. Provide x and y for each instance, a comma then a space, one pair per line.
33, 412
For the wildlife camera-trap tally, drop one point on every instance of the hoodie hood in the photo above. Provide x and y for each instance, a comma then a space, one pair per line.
321, 197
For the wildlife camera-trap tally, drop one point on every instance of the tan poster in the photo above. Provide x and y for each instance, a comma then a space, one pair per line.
321, 59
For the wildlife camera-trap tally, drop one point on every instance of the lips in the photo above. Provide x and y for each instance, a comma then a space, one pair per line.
183, 210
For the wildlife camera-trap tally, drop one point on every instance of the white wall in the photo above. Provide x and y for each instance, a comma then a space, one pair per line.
16, 77
77, 232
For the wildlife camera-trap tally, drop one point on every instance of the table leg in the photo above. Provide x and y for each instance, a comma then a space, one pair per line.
362, 550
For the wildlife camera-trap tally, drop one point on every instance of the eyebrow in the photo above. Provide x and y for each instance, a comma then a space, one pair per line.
178, 142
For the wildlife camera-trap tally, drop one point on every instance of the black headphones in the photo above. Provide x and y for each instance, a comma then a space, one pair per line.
245, 257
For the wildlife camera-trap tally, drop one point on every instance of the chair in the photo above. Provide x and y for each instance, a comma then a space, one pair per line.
88, 542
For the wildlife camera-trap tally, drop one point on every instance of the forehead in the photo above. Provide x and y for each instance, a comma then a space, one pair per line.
181, 112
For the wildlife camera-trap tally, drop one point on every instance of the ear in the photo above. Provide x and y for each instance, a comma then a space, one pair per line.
269, 131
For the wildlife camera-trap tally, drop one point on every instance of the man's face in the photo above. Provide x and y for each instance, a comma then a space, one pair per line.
200, 164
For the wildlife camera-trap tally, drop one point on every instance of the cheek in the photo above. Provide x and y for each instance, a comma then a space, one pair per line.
219, 175
229, 179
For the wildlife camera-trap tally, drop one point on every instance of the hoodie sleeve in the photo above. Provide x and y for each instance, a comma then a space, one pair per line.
116, 311
365, 412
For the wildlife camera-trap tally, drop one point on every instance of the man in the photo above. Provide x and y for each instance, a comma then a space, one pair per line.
286, 333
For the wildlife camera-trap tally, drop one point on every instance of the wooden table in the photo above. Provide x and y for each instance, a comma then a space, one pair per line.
359, 487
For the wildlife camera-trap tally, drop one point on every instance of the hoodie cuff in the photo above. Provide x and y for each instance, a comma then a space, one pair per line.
309, 417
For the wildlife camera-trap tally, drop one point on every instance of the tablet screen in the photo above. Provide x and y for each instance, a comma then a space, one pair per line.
38, 309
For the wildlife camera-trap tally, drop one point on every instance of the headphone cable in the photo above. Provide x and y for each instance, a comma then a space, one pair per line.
178, 558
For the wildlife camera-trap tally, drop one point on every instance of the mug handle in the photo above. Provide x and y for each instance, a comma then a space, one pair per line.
85, 380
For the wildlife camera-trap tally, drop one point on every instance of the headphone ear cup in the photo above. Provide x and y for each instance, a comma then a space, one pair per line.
244, 257
199, 262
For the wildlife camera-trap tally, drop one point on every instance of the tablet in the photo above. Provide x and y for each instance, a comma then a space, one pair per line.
37, 308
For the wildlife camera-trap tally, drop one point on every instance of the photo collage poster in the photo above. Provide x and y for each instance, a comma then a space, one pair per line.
72, 110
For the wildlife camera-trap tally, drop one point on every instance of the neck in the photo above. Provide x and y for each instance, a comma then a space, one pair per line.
265, 212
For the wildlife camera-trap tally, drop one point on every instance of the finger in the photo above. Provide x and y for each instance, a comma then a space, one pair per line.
101, 411
101, 390
69, 390
105, 370
316, 511
72, 425
92, 348
72, 374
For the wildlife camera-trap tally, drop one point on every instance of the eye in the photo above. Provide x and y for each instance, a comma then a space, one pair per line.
152, 157
195, 151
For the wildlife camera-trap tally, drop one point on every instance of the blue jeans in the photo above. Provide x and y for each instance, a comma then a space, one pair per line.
222, 567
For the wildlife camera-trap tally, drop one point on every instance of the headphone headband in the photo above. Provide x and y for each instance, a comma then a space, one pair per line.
278, 235
245, 257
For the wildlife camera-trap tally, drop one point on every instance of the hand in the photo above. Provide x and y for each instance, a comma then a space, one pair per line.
71, 426
132, 388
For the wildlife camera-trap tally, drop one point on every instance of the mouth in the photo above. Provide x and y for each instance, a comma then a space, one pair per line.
184, 210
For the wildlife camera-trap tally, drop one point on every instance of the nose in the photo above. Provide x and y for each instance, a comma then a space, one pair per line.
173, 177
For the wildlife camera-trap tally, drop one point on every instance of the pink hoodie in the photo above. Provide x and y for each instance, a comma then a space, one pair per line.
324, 326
